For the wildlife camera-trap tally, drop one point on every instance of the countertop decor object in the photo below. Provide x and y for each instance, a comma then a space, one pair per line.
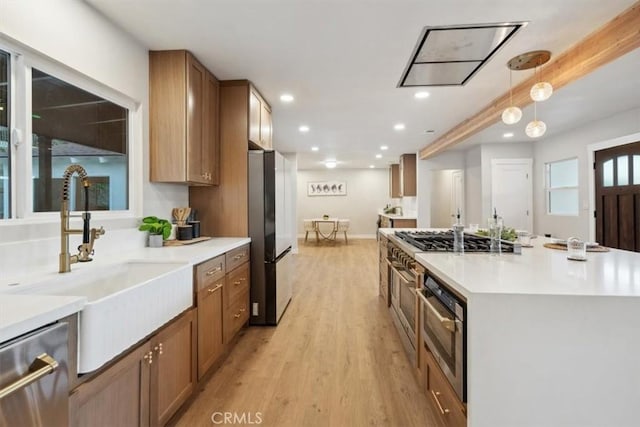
181, 215
159, 230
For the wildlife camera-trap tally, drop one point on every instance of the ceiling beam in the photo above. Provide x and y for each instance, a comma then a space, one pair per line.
611, 41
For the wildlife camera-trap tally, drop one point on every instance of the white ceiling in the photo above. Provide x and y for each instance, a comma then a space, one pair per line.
342, 60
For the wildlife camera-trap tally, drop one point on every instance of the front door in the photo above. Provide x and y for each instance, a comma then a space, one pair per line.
618, 197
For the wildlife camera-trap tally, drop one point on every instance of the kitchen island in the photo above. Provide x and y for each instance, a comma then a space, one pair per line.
550, 342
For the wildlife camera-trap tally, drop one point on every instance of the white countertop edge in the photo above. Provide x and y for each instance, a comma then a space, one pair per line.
30, 312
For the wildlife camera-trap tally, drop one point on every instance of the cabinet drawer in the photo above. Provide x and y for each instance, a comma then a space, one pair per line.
235, 316
439, 391
237, 257
209, 272
237, 283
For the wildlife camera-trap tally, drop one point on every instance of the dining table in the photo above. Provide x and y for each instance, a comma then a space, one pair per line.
326, 228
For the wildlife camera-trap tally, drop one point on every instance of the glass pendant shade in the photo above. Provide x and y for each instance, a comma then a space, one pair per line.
535, 129
541, 91
511, 115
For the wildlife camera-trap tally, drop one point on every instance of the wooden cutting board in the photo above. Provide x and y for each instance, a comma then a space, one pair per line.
564, 247
185, 242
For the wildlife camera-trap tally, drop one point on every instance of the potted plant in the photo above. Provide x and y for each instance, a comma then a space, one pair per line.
159, 230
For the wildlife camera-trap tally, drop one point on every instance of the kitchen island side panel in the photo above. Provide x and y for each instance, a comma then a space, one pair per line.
539, 360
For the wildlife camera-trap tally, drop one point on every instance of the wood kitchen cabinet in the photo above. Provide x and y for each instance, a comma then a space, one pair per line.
383, 291
394, 181
224, 209
210, 280
439, 392
183, 119
236, 292
145, 387
407, 175
259, 120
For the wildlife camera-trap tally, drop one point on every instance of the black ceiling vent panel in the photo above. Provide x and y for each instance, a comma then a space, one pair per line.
451, 55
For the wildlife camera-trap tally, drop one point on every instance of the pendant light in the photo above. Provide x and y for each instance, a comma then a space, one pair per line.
540, 91
536, 128
511, 114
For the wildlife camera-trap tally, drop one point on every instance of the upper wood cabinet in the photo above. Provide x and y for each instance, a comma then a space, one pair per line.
394, 181
245, 122
407, 173
259, 120
183, 119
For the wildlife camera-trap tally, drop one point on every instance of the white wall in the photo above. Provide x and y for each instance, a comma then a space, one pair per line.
367, 192
84, 42
574, 144
446, 160
473, 186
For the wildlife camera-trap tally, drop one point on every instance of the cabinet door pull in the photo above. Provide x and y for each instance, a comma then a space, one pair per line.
212, 290
158, 349
442, 410
236, 283
214, 270
149, 357
237, 315
242, 310
239, 256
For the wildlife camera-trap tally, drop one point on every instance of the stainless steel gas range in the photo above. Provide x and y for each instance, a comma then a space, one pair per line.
426, 310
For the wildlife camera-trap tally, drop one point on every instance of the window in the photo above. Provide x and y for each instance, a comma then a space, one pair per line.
71, 125
562, 187
5, 152
73, 120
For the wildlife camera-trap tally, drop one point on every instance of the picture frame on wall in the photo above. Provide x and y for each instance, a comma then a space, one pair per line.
327, 188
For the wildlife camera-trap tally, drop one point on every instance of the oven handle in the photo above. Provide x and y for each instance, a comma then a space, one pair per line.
397, 272
41, 366
448, 324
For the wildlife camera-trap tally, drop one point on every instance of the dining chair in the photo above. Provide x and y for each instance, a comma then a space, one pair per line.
343, 226
308, 227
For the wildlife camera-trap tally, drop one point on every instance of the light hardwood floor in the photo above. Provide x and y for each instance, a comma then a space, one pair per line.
334, 360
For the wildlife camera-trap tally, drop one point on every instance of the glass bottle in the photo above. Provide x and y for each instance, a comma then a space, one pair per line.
495, 234
458, 236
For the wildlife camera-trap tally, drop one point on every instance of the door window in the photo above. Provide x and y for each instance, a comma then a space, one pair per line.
562, 187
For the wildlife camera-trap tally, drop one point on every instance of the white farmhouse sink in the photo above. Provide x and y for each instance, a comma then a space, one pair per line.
126, 302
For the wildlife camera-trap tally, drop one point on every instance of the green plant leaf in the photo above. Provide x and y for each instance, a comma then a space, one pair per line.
166, 230
150, 219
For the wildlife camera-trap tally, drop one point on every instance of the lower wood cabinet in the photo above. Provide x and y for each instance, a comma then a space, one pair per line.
210, 311
144, 388
439, 392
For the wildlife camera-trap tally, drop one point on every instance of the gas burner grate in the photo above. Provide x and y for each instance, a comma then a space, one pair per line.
442, 241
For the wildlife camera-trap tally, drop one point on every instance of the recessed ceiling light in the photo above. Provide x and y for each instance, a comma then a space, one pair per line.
285, 97
384, 147
303, 128
330, 164
421, 95
371, 166
314, 148
507, 135
378, 156
399, 126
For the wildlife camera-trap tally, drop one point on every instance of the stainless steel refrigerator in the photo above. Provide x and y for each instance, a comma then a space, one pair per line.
271, 270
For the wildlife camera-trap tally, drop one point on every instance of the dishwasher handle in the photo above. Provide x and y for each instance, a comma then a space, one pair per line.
41, 366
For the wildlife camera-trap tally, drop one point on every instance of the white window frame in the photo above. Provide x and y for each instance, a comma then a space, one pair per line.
548, 189
23, 59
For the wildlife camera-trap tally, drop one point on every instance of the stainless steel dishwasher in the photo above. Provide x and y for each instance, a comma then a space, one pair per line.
34, 380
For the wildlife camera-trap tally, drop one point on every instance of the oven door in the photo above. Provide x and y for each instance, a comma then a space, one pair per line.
403, 299
443, 334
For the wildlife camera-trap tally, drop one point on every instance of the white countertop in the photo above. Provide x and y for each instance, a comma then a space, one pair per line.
394, 216
538, 271
22, 313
